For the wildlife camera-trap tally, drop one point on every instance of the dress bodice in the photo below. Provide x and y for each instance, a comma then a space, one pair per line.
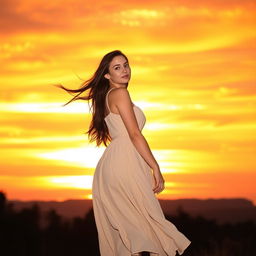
115, 123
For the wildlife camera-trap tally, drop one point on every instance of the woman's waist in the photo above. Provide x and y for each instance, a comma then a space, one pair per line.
120, 137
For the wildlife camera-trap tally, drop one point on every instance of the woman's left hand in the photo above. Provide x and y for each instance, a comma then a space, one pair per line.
159, 181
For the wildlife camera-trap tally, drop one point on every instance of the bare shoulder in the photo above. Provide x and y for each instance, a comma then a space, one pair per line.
120, 90
120, 94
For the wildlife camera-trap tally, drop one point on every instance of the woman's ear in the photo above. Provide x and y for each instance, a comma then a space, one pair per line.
107, 76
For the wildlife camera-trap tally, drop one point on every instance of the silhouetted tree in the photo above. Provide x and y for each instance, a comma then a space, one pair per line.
20, 234
92, 235
53, 235
2, 203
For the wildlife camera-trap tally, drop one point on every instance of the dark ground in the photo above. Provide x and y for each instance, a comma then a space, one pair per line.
22, 235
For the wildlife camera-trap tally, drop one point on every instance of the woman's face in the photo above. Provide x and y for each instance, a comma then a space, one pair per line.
119, 71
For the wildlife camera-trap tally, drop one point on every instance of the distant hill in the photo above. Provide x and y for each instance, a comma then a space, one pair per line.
222, 210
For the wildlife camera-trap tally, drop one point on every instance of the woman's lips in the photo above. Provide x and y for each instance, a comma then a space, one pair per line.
126, 76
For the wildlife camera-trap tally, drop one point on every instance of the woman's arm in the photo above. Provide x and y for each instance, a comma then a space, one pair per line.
123, 104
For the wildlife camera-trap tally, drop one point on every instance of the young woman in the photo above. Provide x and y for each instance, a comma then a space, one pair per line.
128, 215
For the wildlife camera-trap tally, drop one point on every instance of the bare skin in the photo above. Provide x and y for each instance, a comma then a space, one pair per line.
120, 103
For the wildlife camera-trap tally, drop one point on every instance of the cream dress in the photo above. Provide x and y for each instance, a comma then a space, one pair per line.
127, 213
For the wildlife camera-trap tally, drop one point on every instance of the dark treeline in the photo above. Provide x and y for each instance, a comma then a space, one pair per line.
22, 235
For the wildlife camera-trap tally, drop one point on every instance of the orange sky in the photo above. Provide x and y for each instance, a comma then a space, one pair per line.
193, 74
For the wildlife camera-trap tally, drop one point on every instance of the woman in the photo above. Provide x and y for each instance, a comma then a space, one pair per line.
128, 215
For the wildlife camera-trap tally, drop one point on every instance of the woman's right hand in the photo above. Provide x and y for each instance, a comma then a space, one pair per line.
158, 181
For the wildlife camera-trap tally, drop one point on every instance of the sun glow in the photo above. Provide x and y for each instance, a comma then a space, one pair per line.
83, 156
77, 182
49, 182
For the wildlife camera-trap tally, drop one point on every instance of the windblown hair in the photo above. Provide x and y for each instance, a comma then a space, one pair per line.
97, 87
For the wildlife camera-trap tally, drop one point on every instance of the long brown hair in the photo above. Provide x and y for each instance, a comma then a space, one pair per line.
98, 87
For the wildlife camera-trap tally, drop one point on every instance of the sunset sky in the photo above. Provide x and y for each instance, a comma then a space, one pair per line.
193, 74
